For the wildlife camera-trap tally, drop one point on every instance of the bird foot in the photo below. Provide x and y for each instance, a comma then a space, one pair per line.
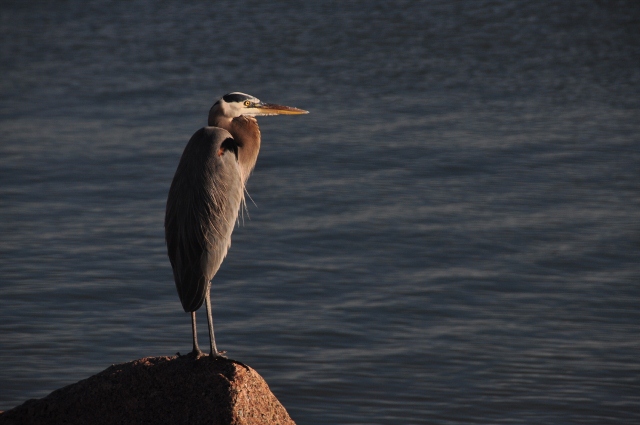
196, 353
218, 354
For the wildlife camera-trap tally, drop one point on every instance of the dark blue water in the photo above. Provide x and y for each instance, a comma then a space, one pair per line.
451, 236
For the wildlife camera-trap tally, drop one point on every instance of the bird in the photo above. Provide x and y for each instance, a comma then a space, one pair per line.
205, 197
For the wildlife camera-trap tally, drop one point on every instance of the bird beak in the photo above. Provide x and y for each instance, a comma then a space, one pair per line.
273, 109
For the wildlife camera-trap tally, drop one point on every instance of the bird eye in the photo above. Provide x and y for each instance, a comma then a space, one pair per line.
247, 103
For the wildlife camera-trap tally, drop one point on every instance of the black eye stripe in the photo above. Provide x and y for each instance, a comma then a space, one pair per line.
235, 97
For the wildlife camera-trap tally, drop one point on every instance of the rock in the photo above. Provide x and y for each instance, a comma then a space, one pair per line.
160, 390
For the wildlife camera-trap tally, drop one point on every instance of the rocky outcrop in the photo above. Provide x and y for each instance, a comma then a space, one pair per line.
160, 390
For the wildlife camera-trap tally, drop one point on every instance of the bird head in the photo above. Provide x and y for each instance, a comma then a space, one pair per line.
234, 104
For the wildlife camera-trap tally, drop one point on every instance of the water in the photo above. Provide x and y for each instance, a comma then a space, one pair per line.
452, 235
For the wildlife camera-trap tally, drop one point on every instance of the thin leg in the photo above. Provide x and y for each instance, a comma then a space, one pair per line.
196, 349
212, 340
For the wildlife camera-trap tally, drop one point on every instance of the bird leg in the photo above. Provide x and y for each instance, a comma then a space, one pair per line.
196, 349
212, 340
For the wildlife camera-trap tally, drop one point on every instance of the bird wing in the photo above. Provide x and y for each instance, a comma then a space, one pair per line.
202, 209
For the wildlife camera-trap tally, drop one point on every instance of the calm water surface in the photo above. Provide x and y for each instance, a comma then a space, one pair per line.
451, 236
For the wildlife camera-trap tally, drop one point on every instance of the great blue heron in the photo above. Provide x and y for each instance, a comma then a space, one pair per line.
205, 197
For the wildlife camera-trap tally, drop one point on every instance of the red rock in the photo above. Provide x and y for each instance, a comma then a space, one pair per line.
160, 390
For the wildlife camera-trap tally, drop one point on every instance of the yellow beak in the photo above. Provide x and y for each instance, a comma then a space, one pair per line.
273, 109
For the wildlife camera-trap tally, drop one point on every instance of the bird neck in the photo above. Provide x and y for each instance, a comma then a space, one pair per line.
246, 133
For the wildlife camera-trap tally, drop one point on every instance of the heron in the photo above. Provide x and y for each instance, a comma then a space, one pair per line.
205, 197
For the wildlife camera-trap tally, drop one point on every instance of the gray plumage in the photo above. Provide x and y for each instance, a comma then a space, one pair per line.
202, 208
